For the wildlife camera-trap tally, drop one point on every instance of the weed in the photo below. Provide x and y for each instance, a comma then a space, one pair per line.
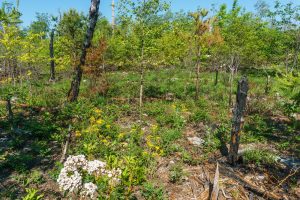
176, 173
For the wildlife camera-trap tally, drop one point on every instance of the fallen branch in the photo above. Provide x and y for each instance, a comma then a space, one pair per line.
63, 157
248, 185
215, 190
287, 177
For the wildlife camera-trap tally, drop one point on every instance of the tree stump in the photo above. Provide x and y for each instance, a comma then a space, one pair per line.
238, 113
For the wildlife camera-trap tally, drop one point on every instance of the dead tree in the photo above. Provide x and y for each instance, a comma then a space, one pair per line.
238, 114
93, 17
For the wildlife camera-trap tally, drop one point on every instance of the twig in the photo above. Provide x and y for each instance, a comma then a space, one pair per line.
248, 185
63, 157
223, 192
215, 190
286, 178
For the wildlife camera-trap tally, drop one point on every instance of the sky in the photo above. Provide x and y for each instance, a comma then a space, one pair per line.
29, 8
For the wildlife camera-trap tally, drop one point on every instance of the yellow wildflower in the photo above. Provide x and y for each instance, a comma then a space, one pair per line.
155, 154
92, 119
104, 141
173, 106
161, 152
97, 110
77, 133
154, 128
121, 135
149, 143
107, 126
100, 121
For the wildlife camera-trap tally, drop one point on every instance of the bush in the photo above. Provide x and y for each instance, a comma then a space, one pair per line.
259, 157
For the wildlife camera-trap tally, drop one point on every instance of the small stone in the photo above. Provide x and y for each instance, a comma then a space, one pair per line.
196, 141
45, 160
260, 177
27, 149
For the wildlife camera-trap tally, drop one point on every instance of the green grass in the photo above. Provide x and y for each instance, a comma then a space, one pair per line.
122, 141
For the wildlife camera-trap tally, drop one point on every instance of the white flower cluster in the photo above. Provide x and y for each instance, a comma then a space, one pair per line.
70, 177
89, 190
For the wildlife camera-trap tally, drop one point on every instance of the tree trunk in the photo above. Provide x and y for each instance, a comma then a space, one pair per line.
141, 87
198, 73
10, 115
52, 64
238, 114
93, 17
217, 77
231, 87
287, 62
113, 23
267, 88
297, 49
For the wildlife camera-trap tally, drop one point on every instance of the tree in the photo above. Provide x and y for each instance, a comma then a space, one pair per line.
51, 50
9, 14
41, 25
203, 32
93, 17
143, 13
10, 41
71, 29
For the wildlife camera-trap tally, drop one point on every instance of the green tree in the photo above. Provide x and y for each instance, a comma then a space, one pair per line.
75, 84
40, 25
143, 15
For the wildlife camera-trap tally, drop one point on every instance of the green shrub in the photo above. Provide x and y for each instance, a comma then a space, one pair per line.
176, 173
259, 157
152, 192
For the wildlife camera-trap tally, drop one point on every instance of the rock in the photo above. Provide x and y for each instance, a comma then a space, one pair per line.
27, 149
260, 177
45, 160
169, 97
196, 141
290, 162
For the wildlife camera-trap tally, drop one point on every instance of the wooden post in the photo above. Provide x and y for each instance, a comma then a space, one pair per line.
238, 114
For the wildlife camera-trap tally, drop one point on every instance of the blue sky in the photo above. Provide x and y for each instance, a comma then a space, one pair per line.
30, 7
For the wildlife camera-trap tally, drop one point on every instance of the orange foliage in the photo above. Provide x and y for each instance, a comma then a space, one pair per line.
95, 58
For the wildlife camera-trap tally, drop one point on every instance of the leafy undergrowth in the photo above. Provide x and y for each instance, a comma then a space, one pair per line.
153, 149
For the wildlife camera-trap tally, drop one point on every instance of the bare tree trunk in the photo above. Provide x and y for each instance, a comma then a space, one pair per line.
267, 88
238, 114
217, 76
113, 23
287, 62
142, 79
93, 17
198, 73
10, 115
141, 87
52, 64
296, 55
231, 86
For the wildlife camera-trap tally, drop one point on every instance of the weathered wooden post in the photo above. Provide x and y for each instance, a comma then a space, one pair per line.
238, 114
